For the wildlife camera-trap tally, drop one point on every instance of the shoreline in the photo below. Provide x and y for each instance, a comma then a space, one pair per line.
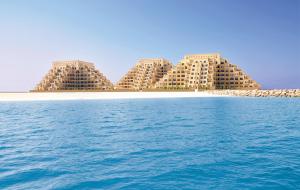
111, 95
293, 93
50, 96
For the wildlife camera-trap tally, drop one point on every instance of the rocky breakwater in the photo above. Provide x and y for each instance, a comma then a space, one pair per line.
259, 93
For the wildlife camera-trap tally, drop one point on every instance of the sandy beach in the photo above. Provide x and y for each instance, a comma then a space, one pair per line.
45, 96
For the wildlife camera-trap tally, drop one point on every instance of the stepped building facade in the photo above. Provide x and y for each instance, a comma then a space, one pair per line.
144, 75
193, 72
206, 71
73, 75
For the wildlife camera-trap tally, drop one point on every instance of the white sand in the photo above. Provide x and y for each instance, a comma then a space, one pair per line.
34, 96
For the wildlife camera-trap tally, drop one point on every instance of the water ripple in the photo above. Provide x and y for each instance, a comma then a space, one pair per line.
206, 143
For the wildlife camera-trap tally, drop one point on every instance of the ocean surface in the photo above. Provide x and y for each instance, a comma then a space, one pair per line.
184, 143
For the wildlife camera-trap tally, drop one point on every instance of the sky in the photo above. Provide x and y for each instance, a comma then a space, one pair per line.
260, 36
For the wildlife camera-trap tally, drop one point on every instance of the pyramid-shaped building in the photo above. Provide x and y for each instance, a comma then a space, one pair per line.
73, 76
206, 71
144, 75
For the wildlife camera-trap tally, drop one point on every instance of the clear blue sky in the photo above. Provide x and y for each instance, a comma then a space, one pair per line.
261, 36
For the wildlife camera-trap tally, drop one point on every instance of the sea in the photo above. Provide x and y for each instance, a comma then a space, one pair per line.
178, 143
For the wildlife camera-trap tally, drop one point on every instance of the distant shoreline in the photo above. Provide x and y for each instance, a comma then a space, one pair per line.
104, 95
48, 96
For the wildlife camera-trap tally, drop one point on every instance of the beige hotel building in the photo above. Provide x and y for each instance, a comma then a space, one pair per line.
207, 72
144, 75
73, 75
193, 72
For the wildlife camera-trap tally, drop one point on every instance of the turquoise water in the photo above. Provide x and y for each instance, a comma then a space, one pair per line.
204, 143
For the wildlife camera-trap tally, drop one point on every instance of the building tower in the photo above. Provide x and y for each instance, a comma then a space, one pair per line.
206, 71
73, 75
229, 76
144, 74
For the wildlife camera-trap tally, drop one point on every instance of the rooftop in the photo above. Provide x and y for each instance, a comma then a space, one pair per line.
76, 63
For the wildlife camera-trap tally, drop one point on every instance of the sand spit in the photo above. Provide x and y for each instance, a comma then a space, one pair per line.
43, 96
48, 96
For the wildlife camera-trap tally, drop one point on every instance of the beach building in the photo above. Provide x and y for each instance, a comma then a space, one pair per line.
144, 75
206, 71
73, 75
